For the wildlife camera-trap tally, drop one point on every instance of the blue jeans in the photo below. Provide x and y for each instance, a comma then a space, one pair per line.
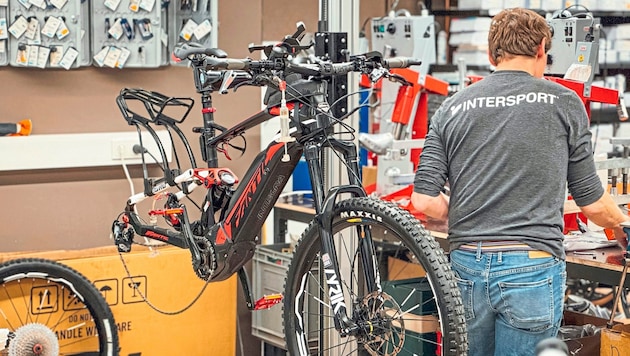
511, 300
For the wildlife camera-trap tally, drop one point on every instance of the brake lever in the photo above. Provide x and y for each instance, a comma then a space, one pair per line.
398, 79
378, 73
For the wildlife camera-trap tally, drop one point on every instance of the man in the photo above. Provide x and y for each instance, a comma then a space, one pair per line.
507, 146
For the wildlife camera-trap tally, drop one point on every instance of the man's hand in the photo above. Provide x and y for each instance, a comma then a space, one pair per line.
621, 234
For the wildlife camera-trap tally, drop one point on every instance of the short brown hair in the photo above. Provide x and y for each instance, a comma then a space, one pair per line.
517, 32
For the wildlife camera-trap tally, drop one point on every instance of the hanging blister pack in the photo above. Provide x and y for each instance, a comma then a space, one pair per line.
4, 36
32, 28
123, 34
194, 21
56, 53
62, 30
47, 33
143, 26
19, 27
68, 58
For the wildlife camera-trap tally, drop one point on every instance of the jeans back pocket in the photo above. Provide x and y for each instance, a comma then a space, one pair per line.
466, 288
528, 305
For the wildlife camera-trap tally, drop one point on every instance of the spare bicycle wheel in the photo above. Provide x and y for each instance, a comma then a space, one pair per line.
49, 309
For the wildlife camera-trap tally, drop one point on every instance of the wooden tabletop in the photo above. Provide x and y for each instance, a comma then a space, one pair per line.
604, 264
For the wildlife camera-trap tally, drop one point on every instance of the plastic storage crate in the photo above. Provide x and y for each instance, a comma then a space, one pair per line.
420, 324
269, 270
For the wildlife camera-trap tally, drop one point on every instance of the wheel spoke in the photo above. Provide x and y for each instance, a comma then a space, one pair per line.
416, 301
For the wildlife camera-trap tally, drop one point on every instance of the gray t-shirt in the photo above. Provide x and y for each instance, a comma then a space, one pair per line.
508, 145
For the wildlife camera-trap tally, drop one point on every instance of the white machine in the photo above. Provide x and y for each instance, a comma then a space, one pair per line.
574, 48
408, 36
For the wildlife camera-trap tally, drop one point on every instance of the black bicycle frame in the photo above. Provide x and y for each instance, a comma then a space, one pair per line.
236, 236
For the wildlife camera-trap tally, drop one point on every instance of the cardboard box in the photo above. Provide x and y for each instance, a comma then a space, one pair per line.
368, 175
166, 278
398, 269
615, 341
479, 4
588, 345
470, 24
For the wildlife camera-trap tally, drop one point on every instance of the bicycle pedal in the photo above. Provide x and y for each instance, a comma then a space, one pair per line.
267, 301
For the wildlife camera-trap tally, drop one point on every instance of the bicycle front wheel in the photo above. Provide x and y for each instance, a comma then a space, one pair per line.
415, 309
47, 308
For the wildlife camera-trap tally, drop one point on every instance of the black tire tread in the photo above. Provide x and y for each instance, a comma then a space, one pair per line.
441, 272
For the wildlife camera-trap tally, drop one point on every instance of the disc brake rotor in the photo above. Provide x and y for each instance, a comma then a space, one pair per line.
383, 323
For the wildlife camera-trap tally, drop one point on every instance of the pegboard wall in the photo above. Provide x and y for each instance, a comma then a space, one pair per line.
194, 20
104, 33
4, 32
48, 33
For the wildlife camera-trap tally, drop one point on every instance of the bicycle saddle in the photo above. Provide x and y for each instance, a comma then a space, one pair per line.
377, 143
183, 50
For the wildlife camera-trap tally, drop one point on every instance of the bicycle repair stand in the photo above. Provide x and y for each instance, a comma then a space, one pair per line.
622, 281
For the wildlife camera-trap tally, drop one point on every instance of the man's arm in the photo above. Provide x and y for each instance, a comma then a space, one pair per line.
434, 207
605, 213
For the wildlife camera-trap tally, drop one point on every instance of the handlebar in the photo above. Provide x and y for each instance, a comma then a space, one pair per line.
261, 72
401, 62
320, 68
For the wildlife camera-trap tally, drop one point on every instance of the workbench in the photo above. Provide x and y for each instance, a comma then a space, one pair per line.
600, 265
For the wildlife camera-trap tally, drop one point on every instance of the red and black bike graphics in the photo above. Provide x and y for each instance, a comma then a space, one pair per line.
252, 201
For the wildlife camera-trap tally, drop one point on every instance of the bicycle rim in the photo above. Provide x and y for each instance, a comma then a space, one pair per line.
417, 311
47, 308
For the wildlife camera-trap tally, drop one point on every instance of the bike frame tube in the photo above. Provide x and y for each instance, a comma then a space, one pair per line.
236, 236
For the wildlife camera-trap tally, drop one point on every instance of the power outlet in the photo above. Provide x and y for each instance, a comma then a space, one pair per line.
123, 149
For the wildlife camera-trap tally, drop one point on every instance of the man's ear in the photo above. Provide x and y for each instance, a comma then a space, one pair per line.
540, 52
491, 60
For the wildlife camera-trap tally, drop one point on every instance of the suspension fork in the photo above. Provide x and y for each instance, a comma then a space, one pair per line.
324, 216
348, 150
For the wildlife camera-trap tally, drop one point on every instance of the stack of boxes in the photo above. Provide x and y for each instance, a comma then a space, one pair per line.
617, 44
497, 5
470, 36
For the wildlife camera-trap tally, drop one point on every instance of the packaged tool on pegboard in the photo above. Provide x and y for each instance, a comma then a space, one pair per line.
194, 21
129, 33
4, 32
47, 33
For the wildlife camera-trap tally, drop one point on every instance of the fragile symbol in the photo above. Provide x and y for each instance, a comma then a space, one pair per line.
134, 289
44, 299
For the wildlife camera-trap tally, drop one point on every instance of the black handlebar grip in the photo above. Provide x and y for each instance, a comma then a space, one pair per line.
401, 62
343, 68
236, 64
226, 63
8, 129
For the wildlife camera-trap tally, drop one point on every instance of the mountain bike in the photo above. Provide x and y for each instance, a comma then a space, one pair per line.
365, 277
48, 308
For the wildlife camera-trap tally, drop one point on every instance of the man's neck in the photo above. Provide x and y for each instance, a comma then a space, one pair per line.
520, 63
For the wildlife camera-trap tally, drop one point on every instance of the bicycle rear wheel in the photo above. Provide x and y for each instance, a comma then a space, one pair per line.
418, 309
47, 308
